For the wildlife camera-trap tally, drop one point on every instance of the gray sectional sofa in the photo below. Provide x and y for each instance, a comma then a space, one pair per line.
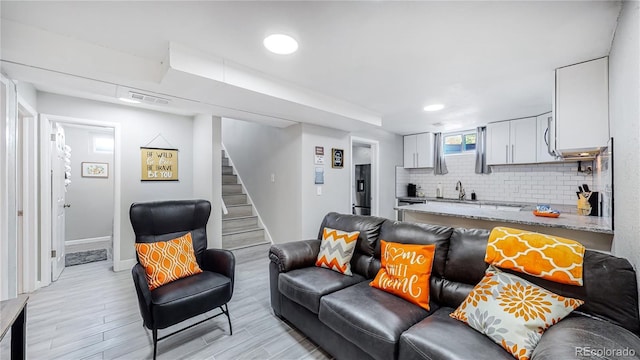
352, 320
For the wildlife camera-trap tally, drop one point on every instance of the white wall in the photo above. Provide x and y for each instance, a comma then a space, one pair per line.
624, 116
138, 128
257, 151
336, 188
553, 183
207, 180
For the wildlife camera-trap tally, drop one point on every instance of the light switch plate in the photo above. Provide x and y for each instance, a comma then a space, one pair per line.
318, 190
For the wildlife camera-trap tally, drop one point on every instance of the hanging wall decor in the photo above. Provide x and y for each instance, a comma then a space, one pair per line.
159, 164
337, 158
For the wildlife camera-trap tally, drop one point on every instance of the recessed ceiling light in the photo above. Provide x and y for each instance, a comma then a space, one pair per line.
434, 107
127, 100
280, 44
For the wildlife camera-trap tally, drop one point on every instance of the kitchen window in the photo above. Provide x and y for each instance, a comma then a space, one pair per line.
459, 142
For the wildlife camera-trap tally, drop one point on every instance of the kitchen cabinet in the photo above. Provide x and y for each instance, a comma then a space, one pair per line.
581, 107
544, 134
512, 142
418, 151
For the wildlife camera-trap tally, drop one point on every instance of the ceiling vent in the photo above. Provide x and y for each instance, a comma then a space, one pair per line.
149, 99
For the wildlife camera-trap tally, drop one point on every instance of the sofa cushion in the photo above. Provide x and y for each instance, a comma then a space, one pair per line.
406, 271
370, 318
512, 311
306, 286
582, 337
369, 227
549, 257
441, 337
336, 250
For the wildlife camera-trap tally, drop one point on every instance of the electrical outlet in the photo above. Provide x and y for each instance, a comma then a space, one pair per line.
273, 177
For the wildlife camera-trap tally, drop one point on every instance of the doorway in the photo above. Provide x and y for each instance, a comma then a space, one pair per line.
88, 199
364, 176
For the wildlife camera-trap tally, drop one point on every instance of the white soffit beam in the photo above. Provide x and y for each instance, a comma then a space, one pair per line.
35, 47
195, 62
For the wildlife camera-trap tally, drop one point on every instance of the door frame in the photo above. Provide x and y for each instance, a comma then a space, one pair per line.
375, 172
45, 180
30, 223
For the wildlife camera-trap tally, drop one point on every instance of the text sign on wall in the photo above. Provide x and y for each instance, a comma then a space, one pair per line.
159, 164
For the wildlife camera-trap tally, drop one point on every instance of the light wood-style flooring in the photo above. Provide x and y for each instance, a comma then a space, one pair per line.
92, 313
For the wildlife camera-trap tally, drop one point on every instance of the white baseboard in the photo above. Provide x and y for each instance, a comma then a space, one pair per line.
87, 240
123, 265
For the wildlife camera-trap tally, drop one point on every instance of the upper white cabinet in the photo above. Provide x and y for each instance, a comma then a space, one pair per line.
512, 142
581, 107
545, 133
418, 151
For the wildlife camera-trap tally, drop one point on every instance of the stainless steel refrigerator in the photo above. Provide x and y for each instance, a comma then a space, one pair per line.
362, 195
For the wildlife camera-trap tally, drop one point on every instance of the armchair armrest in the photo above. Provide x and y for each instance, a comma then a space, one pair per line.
294, 255
143, 292
220, 261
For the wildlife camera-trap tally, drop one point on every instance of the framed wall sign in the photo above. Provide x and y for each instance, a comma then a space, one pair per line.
337, 158
95, 170
158, 164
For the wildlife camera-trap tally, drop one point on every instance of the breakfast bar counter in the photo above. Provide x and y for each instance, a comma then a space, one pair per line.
592, 231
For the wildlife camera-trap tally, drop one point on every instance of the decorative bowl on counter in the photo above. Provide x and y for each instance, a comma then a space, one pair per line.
546, 211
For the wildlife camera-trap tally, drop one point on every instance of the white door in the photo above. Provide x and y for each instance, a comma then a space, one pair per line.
523, 140
498, 143
58, 202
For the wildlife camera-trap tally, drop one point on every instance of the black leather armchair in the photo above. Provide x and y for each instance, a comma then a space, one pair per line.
182, 299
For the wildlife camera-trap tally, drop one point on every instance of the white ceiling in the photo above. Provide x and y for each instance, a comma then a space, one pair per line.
486, 61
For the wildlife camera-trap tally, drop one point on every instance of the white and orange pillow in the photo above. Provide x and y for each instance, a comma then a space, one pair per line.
405, 271
336, 250
167, 261
512, 311
549, 257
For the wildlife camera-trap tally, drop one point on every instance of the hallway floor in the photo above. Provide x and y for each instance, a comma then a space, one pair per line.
92, 313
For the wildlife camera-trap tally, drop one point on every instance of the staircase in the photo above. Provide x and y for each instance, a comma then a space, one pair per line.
240, 227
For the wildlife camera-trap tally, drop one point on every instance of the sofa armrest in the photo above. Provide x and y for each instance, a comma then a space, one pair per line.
294, 255
220, 261
583, 337
143, 292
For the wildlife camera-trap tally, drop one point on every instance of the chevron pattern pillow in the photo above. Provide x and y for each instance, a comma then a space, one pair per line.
336, 250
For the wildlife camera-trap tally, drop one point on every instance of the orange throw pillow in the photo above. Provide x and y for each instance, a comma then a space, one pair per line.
167, 261
549, 257
405, 271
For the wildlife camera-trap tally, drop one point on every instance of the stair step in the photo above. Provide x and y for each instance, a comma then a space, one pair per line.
231, 189
227, 170
237, 199
239, 223
229, 179
238, 211
225, 162
243, 238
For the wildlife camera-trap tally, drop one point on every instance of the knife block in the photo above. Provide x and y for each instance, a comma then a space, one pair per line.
589, 203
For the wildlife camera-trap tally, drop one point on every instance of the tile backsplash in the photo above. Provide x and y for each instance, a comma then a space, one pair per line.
553, 183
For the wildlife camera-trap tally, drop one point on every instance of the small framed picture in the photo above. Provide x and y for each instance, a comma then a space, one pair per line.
95, 170
337, 158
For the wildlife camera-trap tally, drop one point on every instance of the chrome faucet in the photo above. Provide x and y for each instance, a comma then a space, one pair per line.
460, 189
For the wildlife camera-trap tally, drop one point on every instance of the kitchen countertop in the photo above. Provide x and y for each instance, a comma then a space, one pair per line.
450, 207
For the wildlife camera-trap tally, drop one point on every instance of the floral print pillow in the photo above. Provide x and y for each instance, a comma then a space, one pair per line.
512, 311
